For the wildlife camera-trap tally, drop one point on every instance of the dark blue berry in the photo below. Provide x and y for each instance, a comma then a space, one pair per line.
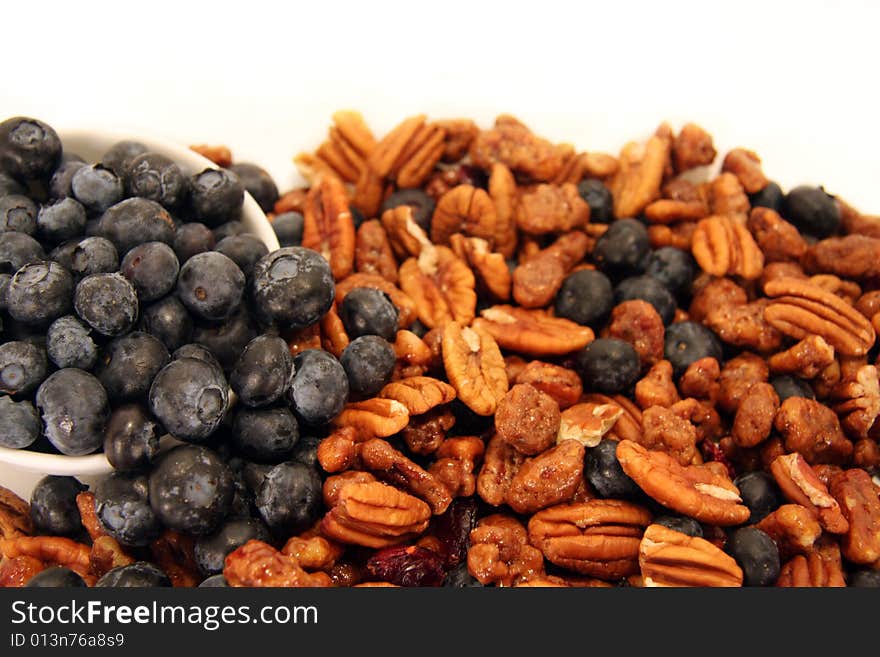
865, 579
122, 504
422, 205
152, 268
69, 344
135, 221
19, 423
681, 524
189, 397
320, 387
288, 228
131, 437
53, 505
23, 367
228, 229
216, 195
604, 473
140, 574
60, 182
368, 362
812, 211
18, 213
622, 250
608, 365
121, 154
226, 339
74, 408
157, 178
770, 197
210, 551
106, 302
214, 581
265, 434
192, 238
244, 250
787, 386
756, 554
599, 198
306, 451
29, 148
168, 320
258, 183
39, 292
210, 285
646, 288
290, 499
62, 220
686, 342
672, 268
367, 311
128, 364
263, 372
93, 255
9, 185
17, 250
759, 492
96, 187
199, 352
56, 577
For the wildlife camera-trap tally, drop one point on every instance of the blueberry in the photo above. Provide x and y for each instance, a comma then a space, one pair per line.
69, 344
756, 554
18, 213
131, 437
210, 551
622, 249
421, 204
128, 365
96, 187
189, 397
39, 292
263, 372
62, 220
157, 178
459, 578
5, 280
216, 195
289, 499
787, 386
191, 489
759, 492
53, 505
244, 250
770, 197
367, 311
23, 367
320, 387
608, 365
812, 211
192, 238
19, 423
368, 362
60, 182
226, 340
73, 406
168, 320
671, 267
106, 302
647, 289
686, 342
214, 581
603, 472
93, 255
681, 524
199, 352
56, 577
135, 221
120, 155
265, 434
139, 574
292, 287
288, 228
9, 185
210, 285
599, 198
258, 183
228, 229
152, 268
29, 148
122, 504
865, 578
254, 474
17, 250
306, 451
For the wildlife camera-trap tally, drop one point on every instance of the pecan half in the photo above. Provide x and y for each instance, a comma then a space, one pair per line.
746, 166
670, 558
700, 380
218, 154
536, 281
821, 567
712, 293
513, 144
550, 478
501, 462
727, 196
551, 209
85, 503
692, 148
15, 515
51, 550
722, 245
657, 388
532, 332
372, 253
640, 173
753, 421
106, 554
799, 484
778, 240
328, 227
638, 322
528, 419
454, 467
338, 451
474, 366
313, 551
173, 552
373, 418
502, 189
500, 553
425, 433
857, 401
15, 572
745, 326
259, 564
464, 209
793, 527
629, 424
738, 375
406, 307
587, 423
562, 384
667, 430
490, 268
441, 286
851, 256
806, 359
405, 236
812, 429
419, 156
859, 501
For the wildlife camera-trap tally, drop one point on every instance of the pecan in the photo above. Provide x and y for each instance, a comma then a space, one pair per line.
774, 270
727, 196
174, 554
869, 303
806, 359
419, 393
458, 136
599, 538
388, 464
502, 190
464, 209
669, 211
368, 193
851, 256
513, 144
680, 235
692, 148
414, 357
106, 554
849, 291
490, 268
85, 503
454, 467
307, 338
372, 253
352, 138
778, 240
640, 173
532, 332
338, 451
219, 155
536, 281
703, 416
51, 550
259, 564
667, 430
866, 453
629, 424
698, 491
404, 304
739, 374
313, 551
793, 528
599, 165
334, 484
425, 433
500, 464
373, 418
551, 209
657, 388
292, 201
500, 553
670, 558
746, 166
753, 421
799, 309
587, 422
15, 515
812, 429
562, 384
800, 485
860, 505
17, 571
328, 227
405, 236
857, 401
474, 367
550, 478
441, 286
528, 419
638, 322
821, 567
700, 380
716, 293
385, 156
418, 158
722, 246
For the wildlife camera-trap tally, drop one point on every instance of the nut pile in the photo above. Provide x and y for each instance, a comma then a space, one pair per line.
481, 358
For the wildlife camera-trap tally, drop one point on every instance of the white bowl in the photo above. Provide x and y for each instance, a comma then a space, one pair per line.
20, 469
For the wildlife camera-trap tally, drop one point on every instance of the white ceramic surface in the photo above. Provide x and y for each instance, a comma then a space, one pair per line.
20, 469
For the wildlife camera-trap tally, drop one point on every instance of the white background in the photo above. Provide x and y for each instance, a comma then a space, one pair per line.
797, 82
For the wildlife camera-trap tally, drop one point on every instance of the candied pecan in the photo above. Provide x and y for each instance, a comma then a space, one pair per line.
866, 453
513, 144
373, 418
851, 256
333, 336
774, 270
173, 552
338, 452
679, 235
793, 528
821, 567
15, 515
849, 291
588, 422
106, 554
425, 433
313, 551
753, 421
702, 415
218, 154
811, 428
550, 478
639, 175
441, 286
869, 303
458, 136
638, 323
599, 165
490, 269
414, 357
698, 491
629, 424
259, 564
853, 221
664, 429
474, 367
551, 209
778, 240
334, 484
717, 293
668, 211
656, 388
463, 209
799, 484
599, 538
502, 189
307, 338
700, 380
857, 401
313, 168
15, 572
738, 375
419, 393
405, 237
806, 359
328, 227
562, 384
722, 245
454, 467
532, 332
528, 419
746, 166
513, 365
500, 553
727, 196
536, 281
500, 464
860, 505
670, 558
388, 464
372, 253
692, 148
51, 550
291, 201
406, 307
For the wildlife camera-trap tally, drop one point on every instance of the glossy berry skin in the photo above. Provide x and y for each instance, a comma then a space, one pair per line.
192, 238
228, 338
96, 187
367, 311
419, 201
671, 267
215, 196
106, 302
135, 221
18, 249
292, 287
60, 182
771, 197
157, 178
756, 554
120, 155
74, 408
168, 320
23, 367
228, 229
682, 524
258, 183
18, 213
189, 397
131, 437
140, 574
191, 490
759, 492
306, 451
603, 472
210, 285
244, 250
368, 362
93, 255
263, 372
152, 268
599, 198
53, 505
9, 185
812, 211
647, 288
622, 249
39, 292
265, 434
865, 579
19, 423
69, 343
320, 387
787, 386
29, 148
122, 504
210, 551
289, 499
288, 228
688, 341
199, 352
128, 364
62, 220
56, 577
608, 365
